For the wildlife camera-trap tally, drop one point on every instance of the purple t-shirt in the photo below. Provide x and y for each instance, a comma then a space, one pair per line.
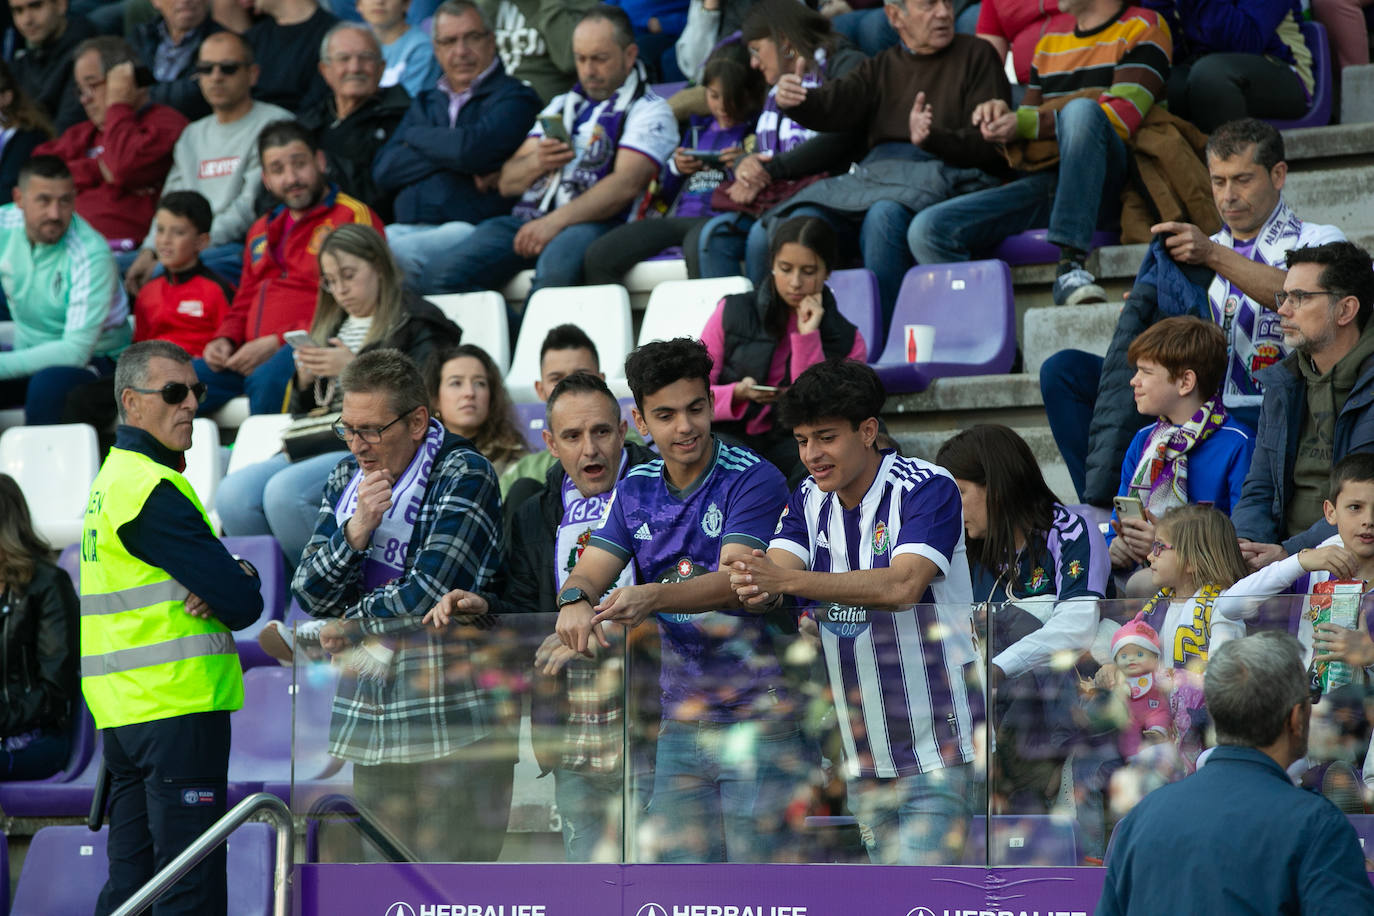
694, 200
718, 666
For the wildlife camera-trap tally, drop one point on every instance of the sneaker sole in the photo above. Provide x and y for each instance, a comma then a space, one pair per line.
1086, 294
272, 643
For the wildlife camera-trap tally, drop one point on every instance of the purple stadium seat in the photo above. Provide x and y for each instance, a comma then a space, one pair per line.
1025, 839
1319, 110
37, 798
64, 870
970, 305
263, 744
264, 552
856, 293
530, 418
66, 867
4, 876
1364, 829
668, 90
304, 793
70, 560
1033, 246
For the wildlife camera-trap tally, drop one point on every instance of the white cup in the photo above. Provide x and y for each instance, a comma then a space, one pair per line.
920, 342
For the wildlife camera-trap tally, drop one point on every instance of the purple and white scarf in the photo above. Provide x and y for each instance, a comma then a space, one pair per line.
1160, 480
594, 146
775, 132
386, 553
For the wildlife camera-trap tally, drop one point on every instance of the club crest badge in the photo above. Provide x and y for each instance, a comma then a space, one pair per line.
713, 521
879, 538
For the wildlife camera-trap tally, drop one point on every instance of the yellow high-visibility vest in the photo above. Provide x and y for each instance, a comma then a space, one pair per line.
142, 656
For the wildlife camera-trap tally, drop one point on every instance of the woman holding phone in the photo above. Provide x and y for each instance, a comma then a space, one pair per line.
762, 340
362, 306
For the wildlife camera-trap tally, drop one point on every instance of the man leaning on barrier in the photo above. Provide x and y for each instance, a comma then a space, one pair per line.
877, 541
411, 514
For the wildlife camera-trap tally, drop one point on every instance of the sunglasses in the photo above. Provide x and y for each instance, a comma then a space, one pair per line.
227, 67
175, 392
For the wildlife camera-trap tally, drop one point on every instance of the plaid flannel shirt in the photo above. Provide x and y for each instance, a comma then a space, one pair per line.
430, 705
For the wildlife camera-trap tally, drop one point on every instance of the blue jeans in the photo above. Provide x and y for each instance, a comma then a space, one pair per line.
721, 789
265, 385
420, 248
1089, 151
589, 805
1068, 386
914, 820
225, 260
722, 242
487, 260
43, 395
276, 497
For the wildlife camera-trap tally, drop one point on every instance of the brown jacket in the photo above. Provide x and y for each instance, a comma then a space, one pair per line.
1168, 181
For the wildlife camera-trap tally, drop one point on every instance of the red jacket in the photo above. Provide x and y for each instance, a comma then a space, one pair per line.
277, 297
136, 148
184, 308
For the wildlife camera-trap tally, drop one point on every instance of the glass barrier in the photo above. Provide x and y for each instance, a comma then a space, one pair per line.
810, 734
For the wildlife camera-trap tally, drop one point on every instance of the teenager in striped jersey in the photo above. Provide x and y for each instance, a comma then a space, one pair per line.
876, 541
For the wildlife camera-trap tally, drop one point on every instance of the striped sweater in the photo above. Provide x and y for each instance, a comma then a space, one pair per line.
1127, 58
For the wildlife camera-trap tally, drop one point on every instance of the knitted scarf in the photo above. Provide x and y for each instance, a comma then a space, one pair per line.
1160, 480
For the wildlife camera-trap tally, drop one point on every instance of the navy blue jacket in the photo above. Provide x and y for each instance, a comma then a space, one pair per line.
1263, 504
1235, 837
431, 166
170, 534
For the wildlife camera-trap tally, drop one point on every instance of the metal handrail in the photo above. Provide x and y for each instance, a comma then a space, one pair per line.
203, 844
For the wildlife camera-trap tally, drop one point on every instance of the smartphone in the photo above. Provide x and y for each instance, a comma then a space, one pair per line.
554, 128
1128, 507
299, 339
707, 156
772, 388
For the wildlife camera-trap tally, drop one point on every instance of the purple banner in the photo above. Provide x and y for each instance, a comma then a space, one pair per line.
693, 890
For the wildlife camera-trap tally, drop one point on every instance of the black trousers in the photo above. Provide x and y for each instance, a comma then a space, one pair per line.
609, 258
1216, 88
167, 786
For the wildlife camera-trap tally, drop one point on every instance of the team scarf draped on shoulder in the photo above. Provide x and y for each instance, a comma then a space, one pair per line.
1160, 480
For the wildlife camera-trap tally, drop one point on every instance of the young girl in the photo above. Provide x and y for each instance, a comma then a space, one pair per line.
734, 93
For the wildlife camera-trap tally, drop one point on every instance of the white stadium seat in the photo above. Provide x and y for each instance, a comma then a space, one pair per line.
204, 464
258, 439
482, 316
602, 311
54, 466
680, 308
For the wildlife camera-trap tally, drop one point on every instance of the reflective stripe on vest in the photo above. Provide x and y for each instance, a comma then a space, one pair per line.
173, 650
130, 599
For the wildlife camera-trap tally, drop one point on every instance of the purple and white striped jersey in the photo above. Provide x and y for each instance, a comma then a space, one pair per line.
903, 682
718, 666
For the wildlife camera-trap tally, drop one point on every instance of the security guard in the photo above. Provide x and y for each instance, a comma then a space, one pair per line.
159, 595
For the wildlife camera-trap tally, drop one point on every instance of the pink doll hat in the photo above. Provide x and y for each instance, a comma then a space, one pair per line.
1136, 632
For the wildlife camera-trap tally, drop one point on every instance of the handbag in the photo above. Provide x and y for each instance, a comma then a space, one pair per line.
775, 193
310, 435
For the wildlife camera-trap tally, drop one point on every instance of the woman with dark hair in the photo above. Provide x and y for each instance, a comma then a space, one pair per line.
23, 126
362, 306
39, 647
1042, 570
470, 399
760, 341
781, 36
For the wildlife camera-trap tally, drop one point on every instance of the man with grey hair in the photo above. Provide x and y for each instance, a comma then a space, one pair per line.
167, 46
159, 670
355, 119
413, 513
441, 161
1177, 851
119, 156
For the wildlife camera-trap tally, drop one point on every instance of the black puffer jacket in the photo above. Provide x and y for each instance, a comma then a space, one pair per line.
351, 145
39, 653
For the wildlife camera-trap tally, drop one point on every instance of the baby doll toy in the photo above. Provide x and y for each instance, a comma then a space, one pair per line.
1135, 650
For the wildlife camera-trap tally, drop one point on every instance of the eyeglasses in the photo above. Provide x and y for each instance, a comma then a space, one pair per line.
364, 57
1159, 547
1299, 296
227, 67
369, 434
175, 392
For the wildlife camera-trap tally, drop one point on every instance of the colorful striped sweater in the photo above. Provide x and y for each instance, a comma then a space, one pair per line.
1127, 58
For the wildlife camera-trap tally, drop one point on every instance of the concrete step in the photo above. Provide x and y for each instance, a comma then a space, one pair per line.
1357, 94
1067, 327
926, 444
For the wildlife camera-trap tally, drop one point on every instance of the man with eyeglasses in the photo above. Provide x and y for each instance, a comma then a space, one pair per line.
70, 314
281, 273
412, 514
217, 157
121, 154
42, 60
1318, 402
357, 117
167, 47
1230, 277
159, 670
441, 161
286, 43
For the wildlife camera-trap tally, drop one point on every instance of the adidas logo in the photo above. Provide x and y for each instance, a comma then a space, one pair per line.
822, 540
642, 533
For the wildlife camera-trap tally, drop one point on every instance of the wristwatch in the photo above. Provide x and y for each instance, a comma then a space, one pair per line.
571, 595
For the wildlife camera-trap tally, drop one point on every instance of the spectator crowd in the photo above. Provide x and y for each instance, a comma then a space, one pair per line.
215, 204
